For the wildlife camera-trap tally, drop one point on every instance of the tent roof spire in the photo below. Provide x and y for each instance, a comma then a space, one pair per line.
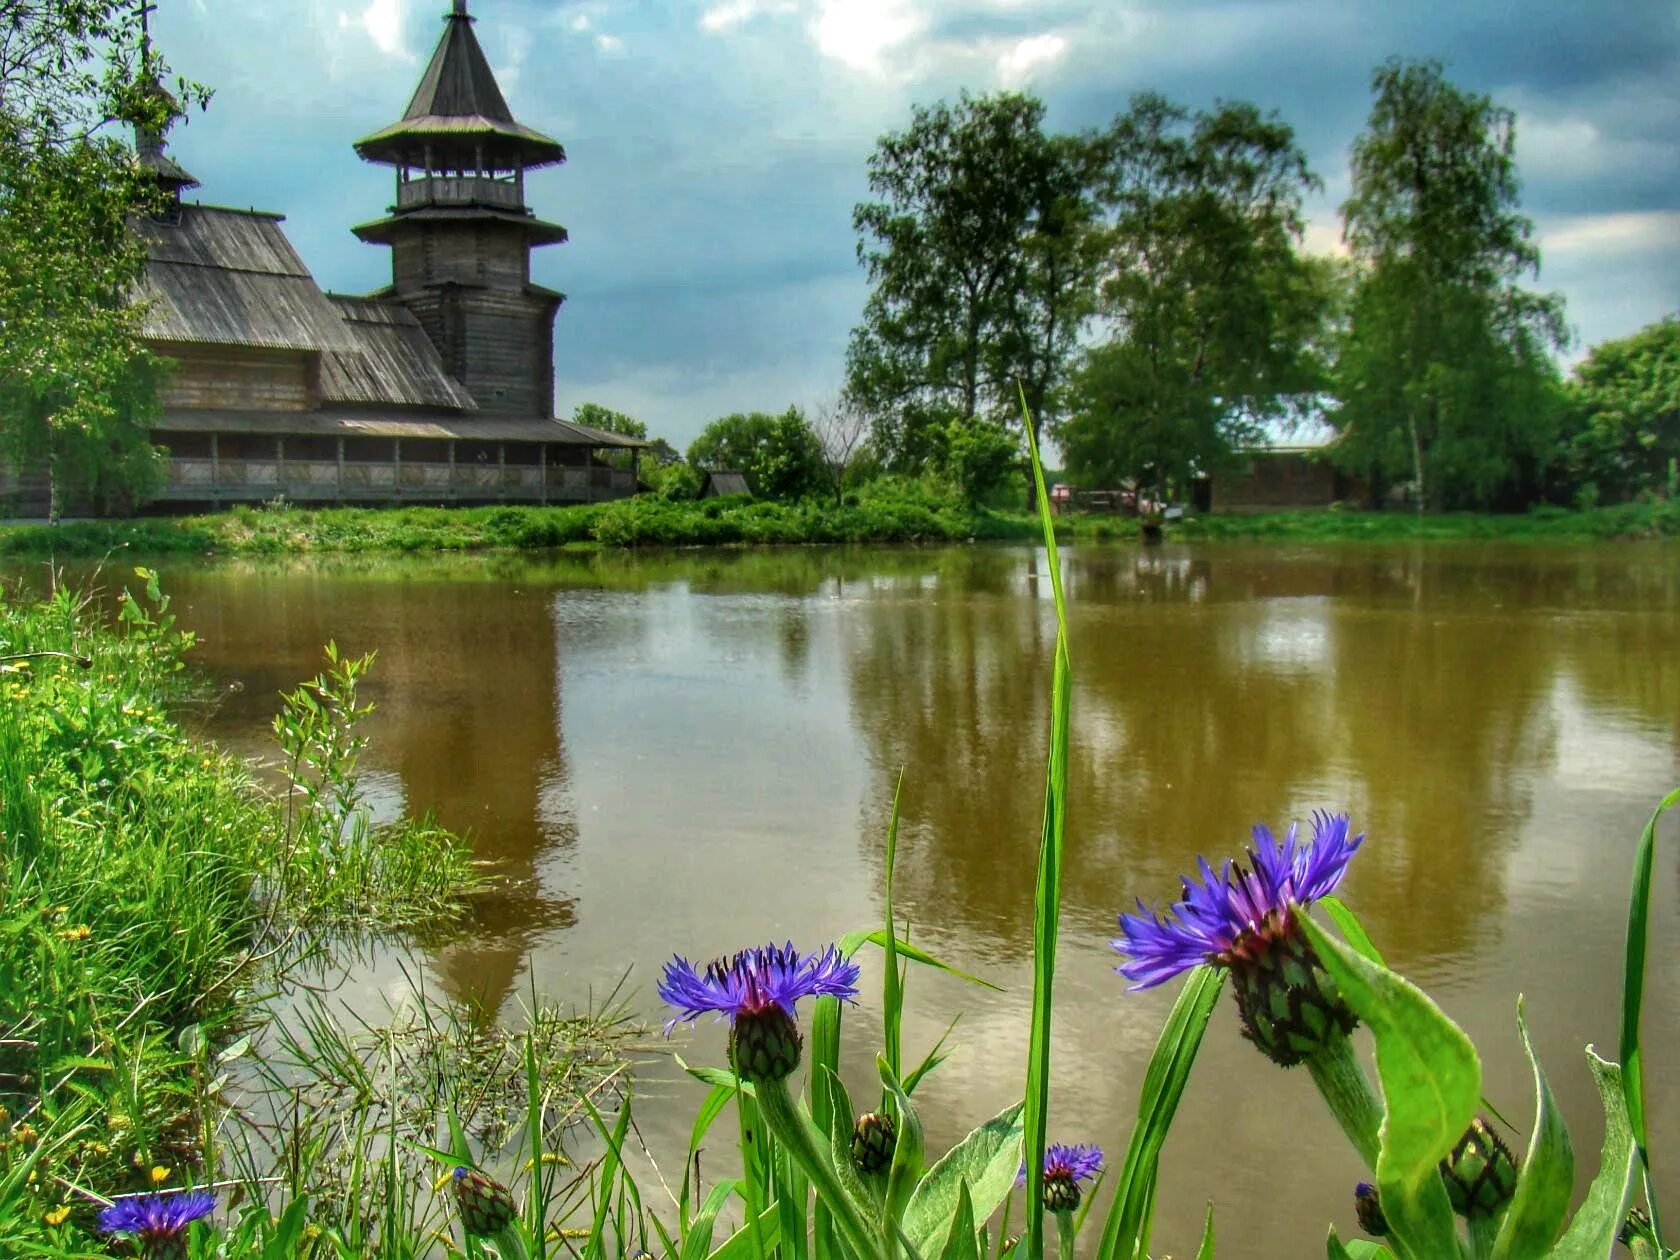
458, 113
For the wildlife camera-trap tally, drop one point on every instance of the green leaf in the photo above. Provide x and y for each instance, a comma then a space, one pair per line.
1356, 1249
282, 1245
825, 1063
979, 1171
850, 943
721, 1078
697, 1240
1126, 1231
717, 1098
1205, 1251
1047, 894
744, 1242
906, 1168
1633, 996
1431, 1084
1592, 1233
932, 1060
1547, 1177
1348, 924
961, 1243
892, 995
840, 1148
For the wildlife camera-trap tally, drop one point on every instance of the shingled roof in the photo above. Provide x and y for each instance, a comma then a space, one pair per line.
230, 277
394, 361
458, 108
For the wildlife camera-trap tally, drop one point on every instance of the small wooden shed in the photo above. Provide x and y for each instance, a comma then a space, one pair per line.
722, 481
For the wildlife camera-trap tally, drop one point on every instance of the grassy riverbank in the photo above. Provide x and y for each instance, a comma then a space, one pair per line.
149, 891
903, 517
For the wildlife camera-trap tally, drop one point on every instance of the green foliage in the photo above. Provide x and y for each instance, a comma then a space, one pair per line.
77, 389
595, 416
979, 456
147, 879
780, 454
1622, 425
1213, 314
978, 280
1444, 377
76, 386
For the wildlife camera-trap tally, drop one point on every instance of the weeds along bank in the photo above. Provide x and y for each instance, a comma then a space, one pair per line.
150, 892
904, 517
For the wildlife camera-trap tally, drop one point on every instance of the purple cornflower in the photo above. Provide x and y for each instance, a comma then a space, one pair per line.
753, 980
1243, 918
1064, 1168
757, 989
157, 1221
1217, 919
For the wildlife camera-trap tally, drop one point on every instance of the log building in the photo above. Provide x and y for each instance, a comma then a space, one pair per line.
438, 388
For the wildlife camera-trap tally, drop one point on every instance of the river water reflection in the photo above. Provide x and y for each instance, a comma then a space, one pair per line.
698, 751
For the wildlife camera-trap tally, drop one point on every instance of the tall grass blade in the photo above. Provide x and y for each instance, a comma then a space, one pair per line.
1126, 1232
1047, 896
1633, 1000
892, 991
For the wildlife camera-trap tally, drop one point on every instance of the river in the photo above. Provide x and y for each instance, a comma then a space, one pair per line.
693, 752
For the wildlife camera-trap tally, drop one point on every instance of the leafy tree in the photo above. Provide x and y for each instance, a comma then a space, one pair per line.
77, 387
1211, 311
1445, 377
980, 456
779, 454
1623, 419
972, 250
595, 416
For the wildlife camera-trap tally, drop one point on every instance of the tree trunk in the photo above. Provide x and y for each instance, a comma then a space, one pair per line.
53, 505
1417, 462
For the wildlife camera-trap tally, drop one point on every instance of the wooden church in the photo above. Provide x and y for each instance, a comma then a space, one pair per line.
438, 388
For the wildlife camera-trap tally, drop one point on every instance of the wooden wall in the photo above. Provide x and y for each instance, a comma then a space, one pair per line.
1278, 480
239, 378
498, 343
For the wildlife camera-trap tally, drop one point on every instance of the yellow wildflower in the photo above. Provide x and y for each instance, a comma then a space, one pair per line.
78, 933
159, 1174
58, 1215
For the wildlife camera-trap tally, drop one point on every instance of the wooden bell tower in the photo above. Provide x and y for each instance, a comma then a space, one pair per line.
460, 232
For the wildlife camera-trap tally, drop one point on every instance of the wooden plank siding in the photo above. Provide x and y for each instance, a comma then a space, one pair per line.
498, 344
239, 378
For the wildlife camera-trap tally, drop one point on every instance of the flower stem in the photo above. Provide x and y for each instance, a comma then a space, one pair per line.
802, 1144
1064, 1235
1347, 1092
1484, 1229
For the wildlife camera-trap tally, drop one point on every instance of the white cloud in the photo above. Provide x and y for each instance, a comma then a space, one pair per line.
383, 22
1016, 67
1609, 234
609, 43
732, 13
859, 32
580, 22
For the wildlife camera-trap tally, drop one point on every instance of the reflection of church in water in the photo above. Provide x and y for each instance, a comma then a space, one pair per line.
481, 748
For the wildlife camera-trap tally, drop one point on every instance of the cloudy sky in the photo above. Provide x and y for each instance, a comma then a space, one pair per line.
717, 146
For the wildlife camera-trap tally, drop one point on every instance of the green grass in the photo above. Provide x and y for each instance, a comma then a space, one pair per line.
893, 512
149, 891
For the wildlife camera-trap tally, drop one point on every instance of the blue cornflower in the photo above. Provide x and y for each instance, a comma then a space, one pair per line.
1064, 1168
1243, 919
753, 980
757, 989
158, 1221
